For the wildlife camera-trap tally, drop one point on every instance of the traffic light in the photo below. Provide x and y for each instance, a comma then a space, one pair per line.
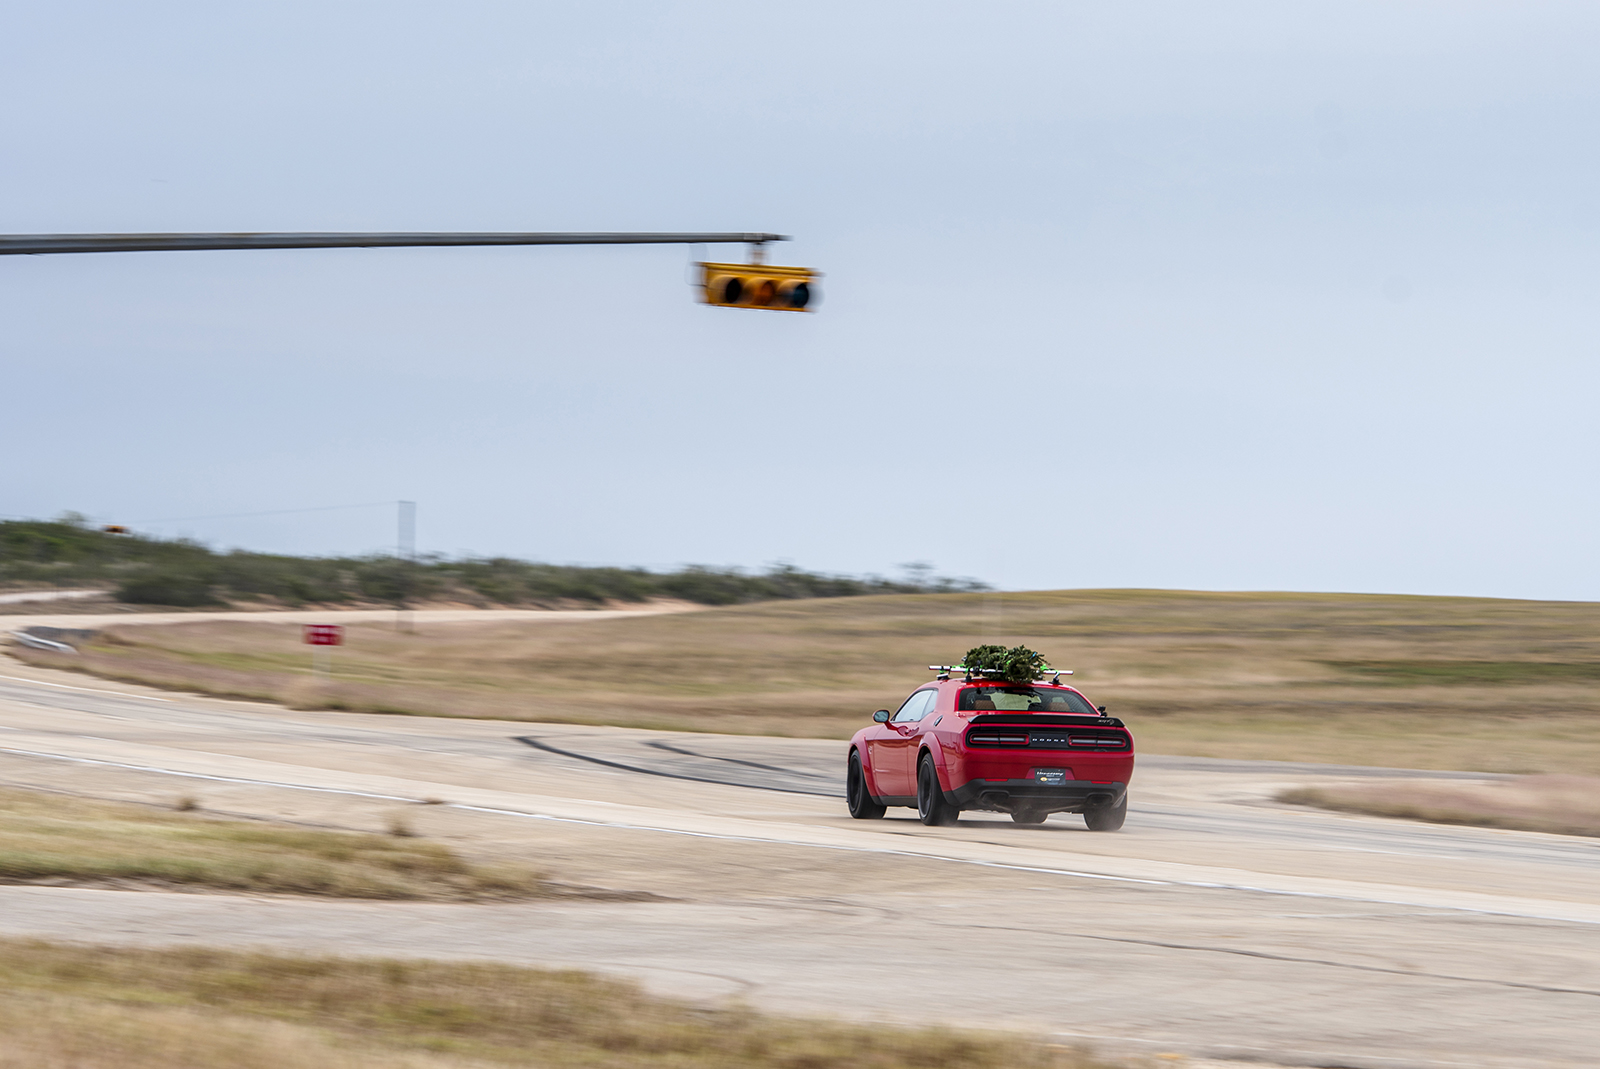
780, 289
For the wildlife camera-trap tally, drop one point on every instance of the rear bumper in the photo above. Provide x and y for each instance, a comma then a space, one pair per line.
983, 766
1006, 796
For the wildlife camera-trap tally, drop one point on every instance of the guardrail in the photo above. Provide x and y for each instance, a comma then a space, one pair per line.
42, 643
50, 638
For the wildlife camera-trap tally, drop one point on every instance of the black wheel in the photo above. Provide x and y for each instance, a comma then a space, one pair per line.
1028, 816
931, 806
862, 807
1107, 817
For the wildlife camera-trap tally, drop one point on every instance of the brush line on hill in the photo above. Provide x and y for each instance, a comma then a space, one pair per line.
180, 572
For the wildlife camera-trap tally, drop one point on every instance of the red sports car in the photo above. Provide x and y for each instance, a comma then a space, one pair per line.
1028, 749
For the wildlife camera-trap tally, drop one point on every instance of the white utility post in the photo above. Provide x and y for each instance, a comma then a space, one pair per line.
406, 549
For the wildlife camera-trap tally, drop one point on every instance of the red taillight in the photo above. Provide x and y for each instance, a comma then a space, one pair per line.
998, 738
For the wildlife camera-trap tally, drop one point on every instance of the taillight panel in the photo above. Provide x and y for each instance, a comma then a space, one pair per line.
990, 738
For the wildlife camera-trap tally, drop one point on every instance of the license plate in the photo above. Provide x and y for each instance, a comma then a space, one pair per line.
1053, 776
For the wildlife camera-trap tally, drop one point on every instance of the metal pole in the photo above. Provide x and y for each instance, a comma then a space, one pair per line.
406, 550
406, 542
35, 244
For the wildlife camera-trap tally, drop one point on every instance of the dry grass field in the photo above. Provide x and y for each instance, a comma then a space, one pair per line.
104, 1008
1563, 805
1505, 686
58, 839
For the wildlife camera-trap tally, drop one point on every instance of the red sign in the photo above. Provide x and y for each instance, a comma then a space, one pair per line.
324, 635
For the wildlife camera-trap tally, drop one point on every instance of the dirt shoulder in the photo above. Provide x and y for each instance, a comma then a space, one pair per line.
54, 839
96, 613
132, 1008
1563, 805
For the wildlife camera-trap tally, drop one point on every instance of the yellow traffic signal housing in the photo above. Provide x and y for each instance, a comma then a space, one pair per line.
779, 289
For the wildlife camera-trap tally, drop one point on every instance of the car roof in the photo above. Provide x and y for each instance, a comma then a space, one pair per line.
994, 683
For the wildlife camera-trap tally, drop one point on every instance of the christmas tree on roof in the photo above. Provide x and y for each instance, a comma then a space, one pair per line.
1018, 664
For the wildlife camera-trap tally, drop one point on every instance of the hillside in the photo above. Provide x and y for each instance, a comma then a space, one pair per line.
176, 572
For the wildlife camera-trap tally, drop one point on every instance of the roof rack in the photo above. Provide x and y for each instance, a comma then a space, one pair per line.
944, 671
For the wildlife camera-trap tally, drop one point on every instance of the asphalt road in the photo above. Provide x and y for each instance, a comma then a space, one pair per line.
1218, 923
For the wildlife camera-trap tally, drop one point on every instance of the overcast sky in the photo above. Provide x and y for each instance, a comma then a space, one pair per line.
1228, 295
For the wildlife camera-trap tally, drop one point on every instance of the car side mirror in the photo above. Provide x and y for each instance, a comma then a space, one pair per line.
881, 716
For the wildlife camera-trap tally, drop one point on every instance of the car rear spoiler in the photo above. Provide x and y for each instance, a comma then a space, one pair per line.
1047, 720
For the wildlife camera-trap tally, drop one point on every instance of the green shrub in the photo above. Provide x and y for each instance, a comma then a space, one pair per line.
153, 571
168, 588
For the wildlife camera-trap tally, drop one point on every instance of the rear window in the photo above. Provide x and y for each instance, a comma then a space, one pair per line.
1025, 700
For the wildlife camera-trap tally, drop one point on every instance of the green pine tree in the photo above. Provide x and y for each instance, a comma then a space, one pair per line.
1018, 664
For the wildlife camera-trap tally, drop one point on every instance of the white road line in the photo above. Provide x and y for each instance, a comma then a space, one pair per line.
90, 690
1206, 885
206, 776
1407, 1062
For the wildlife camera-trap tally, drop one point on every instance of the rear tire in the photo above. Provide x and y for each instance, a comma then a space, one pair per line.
862, 807
1028, 816
932, 809
1107, 817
